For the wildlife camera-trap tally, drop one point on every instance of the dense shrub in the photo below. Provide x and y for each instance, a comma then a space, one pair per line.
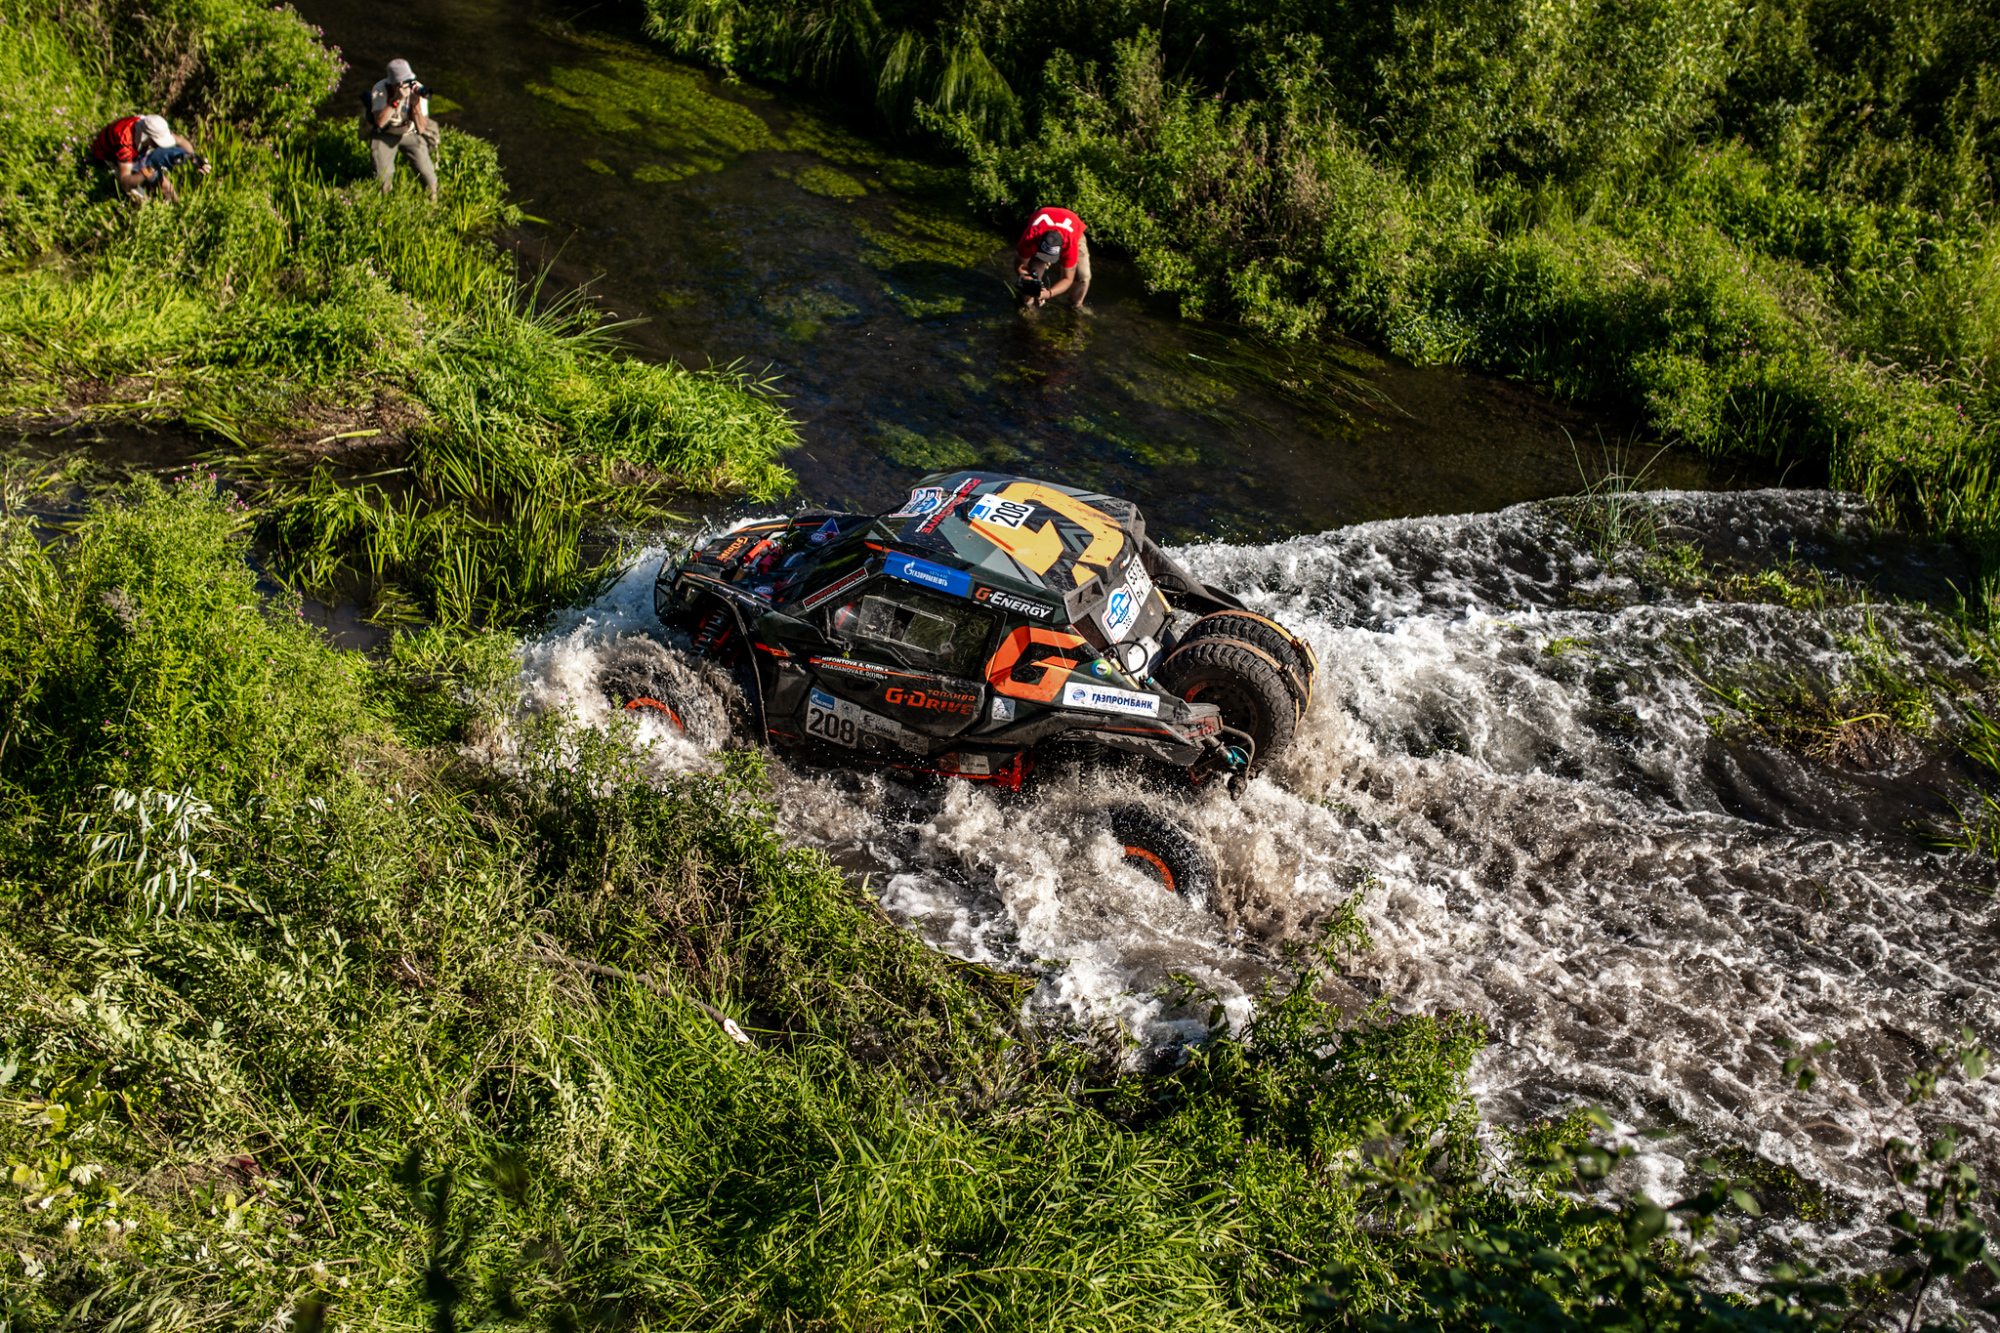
284, 302
1761, 228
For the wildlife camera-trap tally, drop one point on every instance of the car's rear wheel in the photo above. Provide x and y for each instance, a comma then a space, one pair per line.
1246, 683
1160, 849
1268, 637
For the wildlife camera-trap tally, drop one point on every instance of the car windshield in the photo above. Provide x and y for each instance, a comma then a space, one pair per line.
941, 633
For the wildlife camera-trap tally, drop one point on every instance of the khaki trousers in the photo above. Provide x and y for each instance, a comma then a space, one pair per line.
384, 151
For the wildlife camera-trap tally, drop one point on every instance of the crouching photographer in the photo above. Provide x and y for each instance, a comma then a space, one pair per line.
140, 152
1054, 258
398, 120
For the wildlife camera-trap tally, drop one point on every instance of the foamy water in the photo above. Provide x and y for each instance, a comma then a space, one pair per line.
1512, 758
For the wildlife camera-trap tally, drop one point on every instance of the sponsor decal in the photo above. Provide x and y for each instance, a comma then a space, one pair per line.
930, 524
1121, 612
972, 765
1054, 670
1000, 511
1008, 601
923, 500
826, 533
927, 575
1104, 699
931, 700
732, 548
1122, 608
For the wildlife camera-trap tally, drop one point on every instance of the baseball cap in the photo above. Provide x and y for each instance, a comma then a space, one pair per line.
1050, 244
400, 72
157, 130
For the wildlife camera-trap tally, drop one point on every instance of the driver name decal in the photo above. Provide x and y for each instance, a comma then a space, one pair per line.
1104, 699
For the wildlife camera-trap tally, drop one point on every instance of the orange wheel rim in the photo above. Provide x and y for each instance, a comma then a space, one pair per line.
672, 716
1152, 862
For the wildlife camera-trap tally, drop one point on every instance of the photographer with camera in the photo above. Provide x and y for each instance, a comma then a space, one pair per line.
1053, 240
139, 151
398, 118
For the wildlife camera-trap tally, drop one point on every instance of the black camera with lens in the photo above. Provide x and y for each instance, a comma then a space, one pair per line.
1031, 286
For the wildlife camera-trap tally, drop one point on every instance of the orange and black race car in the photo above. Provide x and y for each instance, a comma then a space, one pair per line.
986, 621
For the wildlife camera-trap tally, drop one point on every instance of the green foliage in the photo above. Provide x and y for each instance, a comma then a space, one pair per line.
142, 655
283, 293
571, 1046
1760, 228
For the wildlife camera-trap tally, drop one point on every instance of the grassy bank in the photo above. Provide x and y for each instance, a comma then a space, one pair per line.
315, 329
299, 1009
1759, 228
305, 1019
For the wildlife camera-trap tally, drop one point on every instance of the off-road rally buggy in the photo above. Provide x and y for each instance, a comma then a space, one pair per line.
990, 624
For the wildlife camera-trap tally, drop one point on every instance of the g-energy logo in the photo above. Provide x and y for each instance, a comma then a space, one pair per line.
930, 700
1008, 601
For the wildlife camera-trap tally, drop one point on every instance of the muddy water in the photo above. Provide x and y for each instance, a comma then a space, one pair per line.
1512, 758
746, 227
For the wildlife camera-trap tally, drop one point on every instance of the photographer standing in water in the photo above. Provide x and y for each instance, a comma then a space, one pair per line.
1053, 240
399, 116
139, 151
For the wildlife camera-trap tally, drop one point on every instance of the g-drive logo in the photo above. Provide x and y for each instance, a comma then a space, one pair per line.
928, 575
1104, 699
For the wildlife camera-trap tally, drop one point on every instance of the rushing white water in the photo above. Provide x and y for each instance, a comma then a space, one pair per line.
1512, 756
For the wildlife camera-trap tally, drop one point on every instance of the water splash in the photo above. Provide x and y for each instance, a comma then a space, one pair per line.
1512, 757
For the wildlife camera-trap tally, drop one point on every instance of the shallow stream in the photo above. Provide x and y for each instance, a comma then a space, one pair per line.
746, 227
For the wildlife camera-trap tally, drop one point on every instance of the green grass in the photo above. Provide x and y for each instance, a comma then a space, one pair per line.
369, 971
284, 306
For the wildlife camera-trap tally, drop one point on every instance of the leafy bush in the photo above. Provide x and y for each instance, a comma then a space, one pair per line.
283, 293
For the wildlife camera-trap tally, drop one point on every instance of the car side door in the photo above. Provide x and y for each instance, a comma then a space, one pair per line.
909, 654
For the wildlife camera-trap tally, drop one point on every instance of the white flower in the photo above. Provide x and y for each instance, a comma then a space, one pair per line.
74, 1225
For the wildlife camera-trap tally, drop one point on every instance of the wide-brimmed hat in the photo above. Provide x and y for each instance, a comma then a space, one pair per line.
400, 72
156, 130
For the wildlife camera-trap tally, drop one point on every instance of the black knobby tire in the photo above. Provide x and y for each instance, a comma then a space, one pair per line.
1267, 637
1160, 849
1244, 681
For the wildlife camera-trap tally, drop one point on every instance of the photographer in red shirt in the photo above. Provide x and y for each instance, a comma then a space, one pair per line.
1053, 240
139, 151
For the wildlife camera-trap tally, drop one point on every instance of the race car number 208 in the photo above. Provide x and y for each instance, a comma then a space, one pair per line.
824, 721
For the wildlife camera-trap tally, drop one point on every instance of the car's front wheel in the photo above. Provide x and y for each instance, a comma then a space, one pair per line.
1241, 680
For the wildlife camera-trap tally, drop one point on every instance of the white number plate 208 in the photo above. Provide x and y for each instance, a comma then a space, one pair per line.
824, 720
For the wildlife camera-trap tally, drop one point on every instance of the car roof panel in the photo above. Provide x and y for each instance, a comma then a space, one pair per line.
1037, 536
